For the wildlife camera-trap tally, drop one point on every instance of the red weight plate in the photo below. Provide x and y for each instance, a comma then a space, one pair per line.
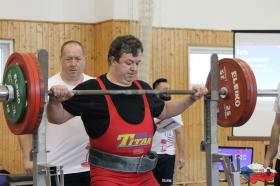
232, 77
254, 94
252, 99
17, 128
249, 100
35, 98
38, 94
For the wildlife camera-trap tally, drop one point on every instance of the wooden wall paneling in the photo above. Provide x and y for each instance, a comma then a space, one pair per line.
123, 27
181, 58
97, 51
49, 41
27, 37
15, 34
74, 31
59, 39
39, 36
4, 29
190, 147
30, 39
45, 37
169, 61
22, 36
10, 29
163, 52
45, 34
33, 43
87, 40
68, 31
173, 63
101, 43
154, 57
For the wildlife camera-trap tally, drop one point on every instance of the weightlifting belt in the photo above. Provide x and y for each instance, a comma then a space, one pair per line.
123, 163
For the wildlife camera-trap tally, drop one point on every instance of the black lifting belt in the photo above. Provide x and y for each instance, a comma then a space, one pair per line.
123, 163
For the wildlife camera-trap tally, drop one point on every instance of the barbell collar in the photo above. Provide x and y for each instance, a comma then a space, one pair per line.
6, 93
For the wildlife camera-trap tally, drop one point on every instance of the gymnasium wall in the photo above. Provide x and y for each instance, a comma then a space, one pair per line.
169, 59
214, 14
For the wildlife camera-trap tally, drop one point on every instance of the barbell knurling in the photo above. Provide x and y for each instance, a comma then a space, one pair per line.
128, 92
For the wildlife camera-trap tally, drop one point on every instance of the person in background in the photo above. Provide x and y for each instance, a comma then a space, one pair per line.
67, 143
120, 127
274, 145
165, 141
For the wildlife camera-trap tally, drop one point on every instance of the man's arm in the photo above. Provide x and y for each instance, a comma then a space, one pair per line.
176, 107
55, 112
274, 141
25, 142
179, 134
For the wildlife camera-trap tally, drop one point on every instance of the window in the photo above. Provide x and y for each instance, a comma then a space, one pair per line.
6, 49
200, 62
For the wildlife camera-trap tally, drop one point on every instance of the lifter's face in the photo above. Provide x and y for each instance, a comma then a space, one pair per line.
72, 61
163, 86
127, 68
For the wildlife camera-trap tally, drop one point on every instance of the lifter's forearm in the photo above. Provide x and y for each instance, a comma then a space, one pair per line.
176, 107
56, 113
173, 108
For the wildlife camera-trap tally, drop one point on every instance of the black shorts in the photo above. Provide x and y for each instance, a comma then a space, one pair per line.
164, 169
74, 179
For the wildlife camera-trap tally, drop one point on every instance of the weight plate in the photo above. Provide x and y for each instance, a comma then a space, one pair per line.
14, 110
240, 99
34, 93
252, 85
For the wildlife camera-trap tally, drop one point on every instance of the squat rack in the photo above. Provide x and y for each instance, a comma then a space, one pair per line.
210, 143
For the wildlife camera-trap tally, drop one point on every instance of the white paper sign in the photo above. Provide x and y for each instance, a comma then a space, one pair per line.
169, 124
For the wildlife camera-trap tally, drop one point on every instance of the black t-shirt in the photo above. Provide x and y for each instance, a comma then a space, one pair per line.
93, 109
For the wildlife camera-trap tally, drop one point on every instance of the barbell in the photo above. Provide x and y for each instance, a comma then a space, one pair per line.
22, 92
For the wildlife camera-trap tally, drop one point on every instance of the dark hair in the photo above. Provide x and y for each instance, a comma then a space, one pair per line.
71, 42
124, 44
158, 81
